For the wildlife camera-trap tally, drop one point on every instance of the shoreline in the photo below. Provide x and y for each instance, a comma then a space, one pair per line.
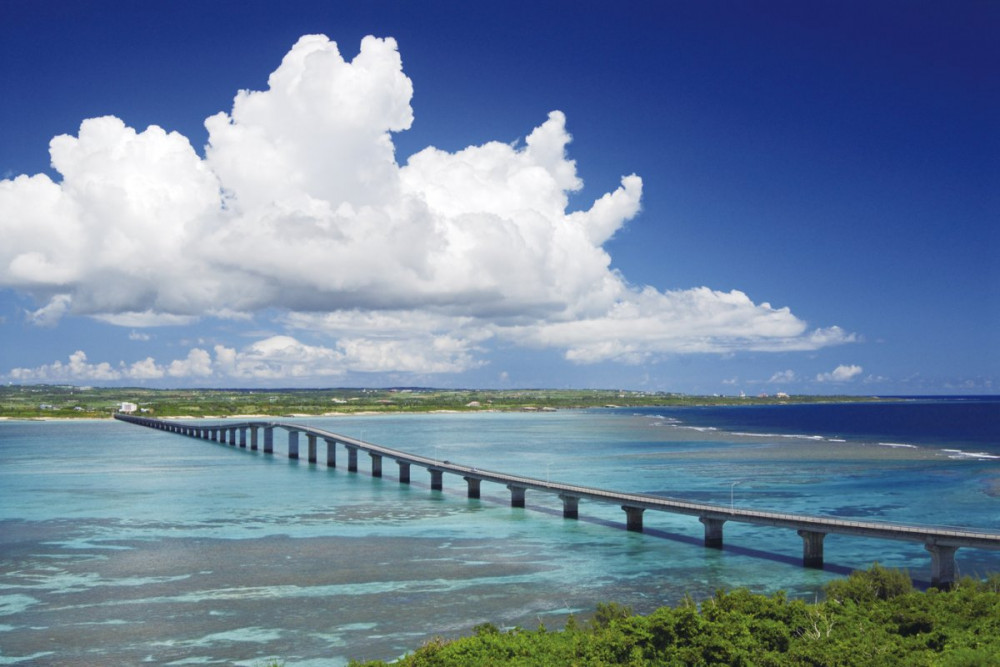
316, 403
537, 407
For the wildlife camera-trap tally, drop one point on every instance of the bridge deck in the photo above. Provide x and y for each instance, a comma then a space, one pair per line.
941, 541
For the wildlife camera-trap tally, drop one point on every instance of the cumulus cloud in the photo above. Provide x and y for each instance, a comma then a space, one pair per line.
77, 368
273, 358
298, 206
842, 373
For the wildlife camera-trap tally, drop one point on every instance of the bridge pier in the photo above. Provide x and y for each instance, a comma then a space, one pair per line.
352, 458
269, 440
437, 483
376, 464
331, 453
942, 565
571, 506
243, 437
713, 531
311, 447
812, 548
293, 444
253, 438
404, 472
633, 518
232, 436
473, 483
215, 434
516, 495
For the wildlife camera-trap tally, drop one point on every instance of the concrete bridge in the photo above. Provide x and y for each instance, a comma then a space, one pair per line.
941, 543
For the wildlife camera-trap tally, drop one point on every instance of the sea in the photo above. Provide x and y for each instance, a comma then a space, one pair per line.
122, 545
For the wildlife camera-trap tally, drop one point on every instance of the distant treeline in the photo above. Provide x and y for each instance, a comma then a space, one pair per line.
874, 617
60, 401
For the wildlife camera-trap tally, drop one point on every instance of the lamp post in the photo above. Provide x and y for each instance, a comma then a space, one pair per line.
732, 487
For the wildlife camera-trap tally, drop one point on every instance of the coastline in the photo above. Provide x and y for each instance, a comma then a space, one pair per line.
67, 403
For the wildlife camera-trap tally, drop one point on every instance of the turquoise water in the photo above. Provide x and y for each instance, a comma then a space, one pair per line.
123, 545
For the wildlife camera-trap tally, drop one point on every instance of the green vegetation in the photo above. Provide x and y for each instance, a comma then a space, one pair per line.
873, 617
67, 402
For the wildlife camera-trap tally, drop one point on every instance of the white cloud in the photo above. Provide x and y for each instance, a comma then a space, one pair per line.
76, 369
783, 377
842, 373
648, 324
144, 370
138, 335
299, 206
198, 364
50, 314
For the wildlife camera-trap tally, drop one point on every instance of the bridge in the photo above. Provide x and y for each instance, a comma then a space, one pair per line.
941, 543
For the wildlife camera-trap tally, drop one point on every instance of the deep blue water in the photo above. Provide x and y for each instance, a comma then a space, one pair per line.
122, 545
972, 421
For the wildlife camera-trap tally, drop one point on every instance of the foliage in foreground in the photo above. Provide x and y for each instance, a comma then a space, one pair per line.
874, 617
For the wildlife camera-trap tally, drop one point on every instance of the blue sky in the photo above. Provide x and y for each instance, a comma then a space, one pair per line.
705, 197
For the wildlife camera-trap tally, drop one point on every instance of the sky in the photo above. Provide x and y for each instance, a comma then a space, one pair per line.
700, 197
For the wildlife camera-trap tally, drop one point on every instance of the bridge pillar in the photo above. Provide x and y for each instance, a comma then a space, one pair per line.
633, 518
516, 495
812, 548
713, 531
311, 440
437, 481
215, 434
352, 458
571, 507
243, 437
269, 440
232, 436
253, 438
376, 464
331, 453
942, 565
293, 444
404, 472
223, 435
473, 483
